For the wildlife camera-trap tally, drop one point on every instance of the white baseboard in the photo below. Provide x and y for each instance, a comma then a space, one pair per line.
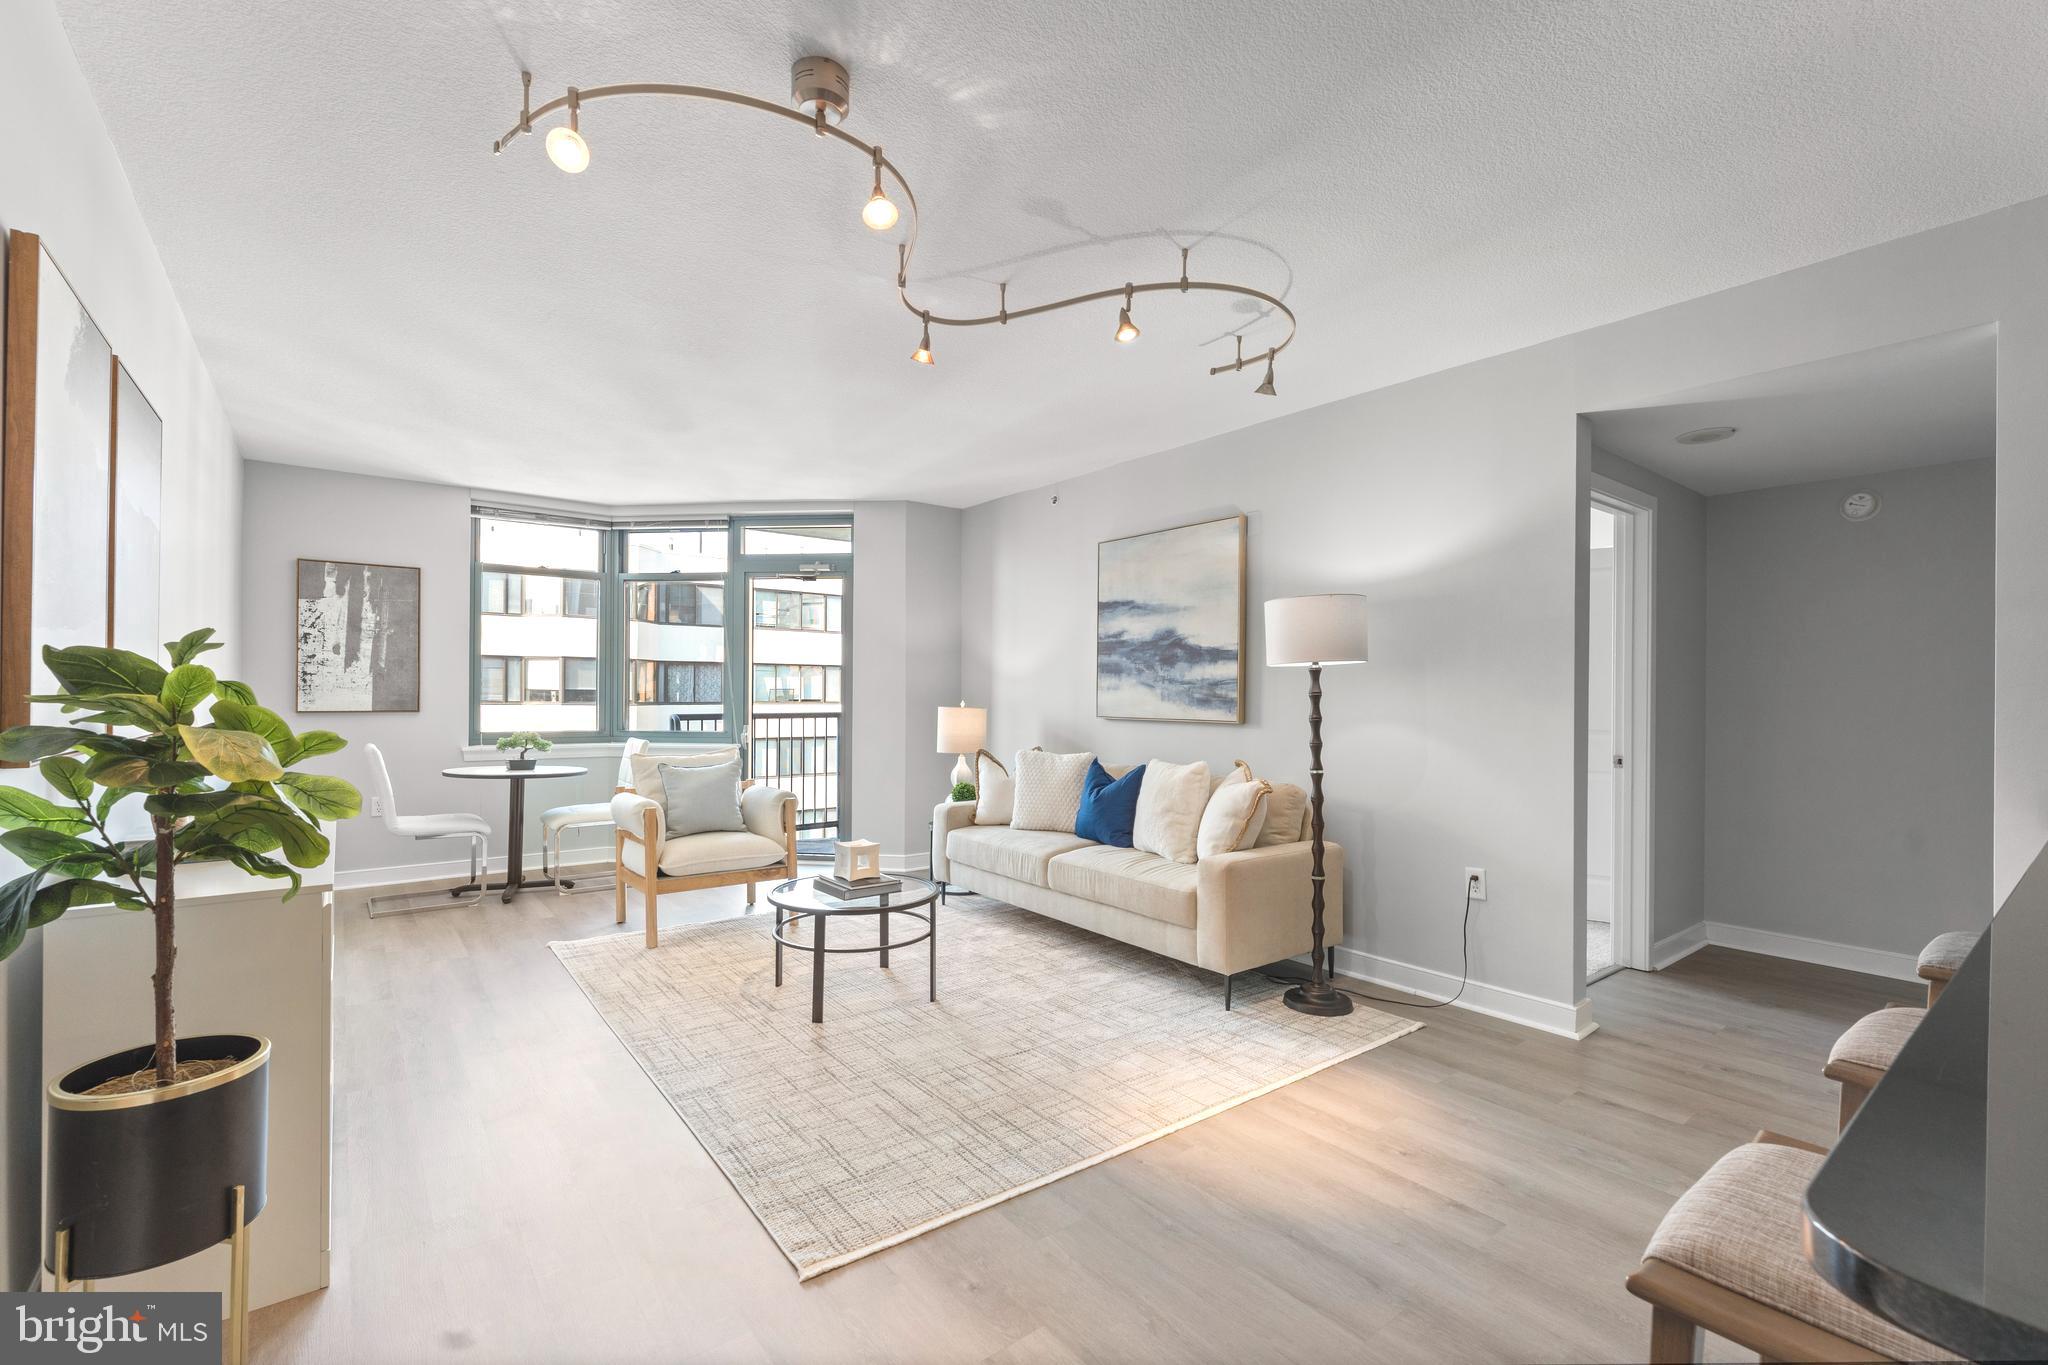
1517, 1007
367, 878
1819, 951
907, 864
1673, 947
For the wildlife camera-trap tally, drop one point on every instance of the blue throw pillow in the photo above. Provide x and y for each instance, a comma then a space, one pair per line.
1109, 805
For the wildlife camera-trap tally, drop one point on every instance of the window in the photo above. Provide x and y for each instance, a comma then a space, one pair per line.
579, 680
680, 604
797, 540
779, 610
592, 631
694, 552
539, 595
776, 683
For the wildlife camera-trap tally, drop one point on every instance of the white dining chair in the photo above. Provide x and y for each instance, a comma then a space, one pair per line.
559, 820
455, 825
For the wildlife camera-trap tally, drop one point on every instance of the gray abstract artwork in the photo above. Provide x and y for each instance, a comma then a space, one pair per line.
359, 636
1169, 624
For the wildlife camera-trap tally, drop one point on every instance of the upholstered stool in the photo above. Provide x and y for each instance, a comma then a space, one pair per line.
1729, 1258
1940, 958
1861, 1056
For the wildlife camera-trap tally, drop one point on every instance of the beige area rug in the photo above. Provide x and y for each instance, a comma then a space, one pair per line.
1049, 1050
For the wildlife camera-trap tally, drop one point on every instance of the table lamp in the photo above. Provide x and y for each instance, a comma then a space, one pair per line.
963, 729
1315, 633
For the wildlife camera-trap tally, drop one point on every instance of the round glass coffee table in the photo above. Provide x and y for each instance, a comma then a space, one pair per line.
801, 899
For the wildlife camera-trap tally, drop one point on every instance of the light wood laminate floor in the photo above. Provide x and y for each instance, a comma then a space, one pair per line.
508, 1186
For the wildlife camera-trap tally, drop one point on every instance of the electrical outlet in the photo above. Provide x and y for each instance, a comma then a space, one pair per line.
1475, 882
376, 805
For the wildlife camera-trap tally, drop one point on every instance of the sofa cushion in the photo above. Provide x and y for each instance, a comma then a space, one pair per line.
994, 790
1129, 879
1108, 805
1170, 809
1286, 812
694, 855
1019, 854
1049, 790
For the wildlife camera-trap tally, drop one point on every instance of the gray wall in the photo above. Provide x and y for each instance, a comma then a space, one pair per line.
1457, 503
64, 183
1678, 897
904, 660
1849, 705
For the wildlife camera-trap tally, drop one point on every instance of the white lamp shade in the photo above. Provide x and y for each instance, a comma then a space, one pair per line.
1327, 628
962, 729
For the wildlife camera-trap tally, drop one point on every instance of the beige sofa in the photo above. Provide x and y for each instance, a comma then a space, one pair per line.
1228, 913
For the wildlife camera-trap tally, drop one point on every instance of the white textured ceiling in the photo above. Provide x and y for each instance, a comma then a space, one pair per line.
701, 316
1930, 401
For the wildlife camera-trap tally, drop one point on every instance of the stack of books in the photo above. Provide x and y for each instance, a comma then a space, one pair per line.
855, 890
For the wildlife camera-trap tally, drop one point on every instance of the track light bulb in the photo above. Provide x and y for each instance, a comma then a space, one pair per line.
1267, 387
923, 354
568, 150
878, 213
1126, 330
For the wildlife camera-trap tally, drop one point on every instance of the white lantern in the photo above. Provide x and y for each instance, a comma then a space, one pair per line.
857, 860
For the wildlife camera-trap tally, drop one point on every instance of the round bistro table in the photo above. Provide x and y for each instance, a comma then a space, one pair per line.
801, 899
515, 852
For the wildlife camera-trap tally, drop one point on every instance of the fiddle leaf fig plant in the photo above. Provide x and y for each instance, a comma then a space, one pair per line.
212, 768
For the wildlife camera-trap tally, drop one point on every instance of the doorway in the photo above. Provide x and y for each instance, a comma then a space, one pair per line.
796, 696
1619, 696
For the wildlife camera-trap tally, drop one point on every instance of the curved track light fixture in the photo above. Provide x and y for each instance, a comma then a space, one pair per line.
820, 94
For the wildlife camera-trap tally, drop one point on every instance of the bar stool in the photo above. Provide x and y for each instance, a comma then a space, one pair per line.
1729, 1258
1861, 1056
559, 820
460, 825
1941, 957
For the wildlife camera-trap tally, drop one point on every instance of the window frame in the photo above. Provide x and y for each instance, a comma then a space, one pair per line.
614, 593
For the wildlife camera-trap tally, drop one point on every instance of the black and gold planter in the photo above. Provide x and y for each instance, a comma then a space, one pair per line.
153, 1176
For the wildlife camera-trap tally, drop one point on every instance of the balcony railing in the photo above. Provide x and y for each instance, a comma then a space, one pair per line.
798, 751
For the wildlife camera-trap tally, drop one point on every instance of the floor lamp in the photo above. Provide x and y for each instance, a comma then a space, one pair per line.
1315, 633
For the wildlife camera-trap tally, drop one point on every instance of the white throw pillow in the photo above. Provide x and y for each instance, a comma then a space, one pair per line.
995, 791
647, 767
1285, 809
1170, 807
1235, 815
1049, 789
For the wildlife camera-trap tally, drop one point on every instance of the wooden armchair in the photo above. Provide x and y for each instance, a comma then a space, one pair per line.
655, 864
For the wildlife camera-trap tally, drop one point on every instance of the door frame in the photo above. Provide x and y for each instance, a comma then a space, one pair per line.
1635, 702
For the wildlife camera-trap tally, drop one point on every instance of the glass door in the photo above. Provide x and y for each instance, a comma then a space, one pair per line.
797, 697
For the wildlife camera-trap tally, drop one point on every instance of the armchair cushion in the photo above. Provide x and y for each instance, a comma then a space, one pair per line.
646, 766
693, 855
761, 809
702, 800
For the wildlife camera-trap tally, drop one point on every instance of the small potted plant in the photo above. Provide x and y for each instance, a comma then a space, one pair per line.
145, 1145
526, 743
963, 791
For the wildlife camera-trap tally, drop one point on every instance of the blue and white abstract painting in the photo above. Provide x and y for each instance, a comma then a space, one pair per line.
1169, 624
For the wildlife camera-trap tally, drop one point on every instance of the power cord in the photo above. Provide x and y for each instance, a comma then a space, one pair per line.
1464, 969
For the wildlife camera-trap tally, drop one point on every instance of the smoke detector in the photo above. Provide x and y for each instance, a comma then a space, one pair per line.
1705, 436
